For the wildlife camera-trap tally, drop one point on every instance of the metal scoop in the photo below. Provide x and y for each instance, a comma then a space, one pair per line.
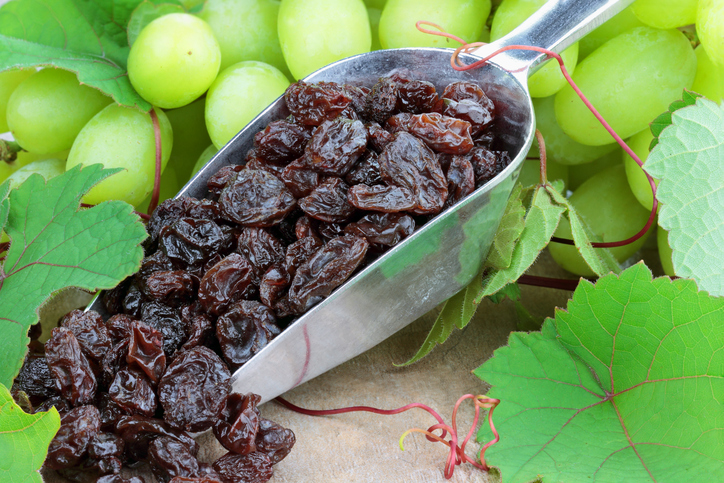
444, 255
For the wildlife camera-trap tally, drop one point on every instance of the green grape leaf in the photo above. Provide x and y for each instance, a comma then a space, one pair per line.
688, 161
600, 260
624, 385
541, 222
4, 204
55, 245
24, 440
526, 320
145, 13
456, 312
664, 120
509, 230
84, 37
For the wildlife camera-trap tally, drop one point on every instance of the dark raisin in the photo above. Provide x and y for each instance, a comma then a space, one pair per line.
300, 251
274, 440
335, 146
442, 133
366, 171
133, 301
281, 141
238, 423
70, 367
190, 241
168, 322
328, 202
113, 361
485, 164
200, 329
77, 428
382, 100
145, 351
157, 262
225, 283
57, 402
170, 287
461, 90
312, 104
261, 249
133, 392
300, 178
193, 389
327, 269
416, 97
303, 228
382, 229
218, 180
104, 445
111, 413
274, 284
245, 330
35, 379
329, 230
257, 163
388, 199
256, 198
138, 431
120, 479
249, 468
168, 458
165, 214
468, 110
90, 331
378, 137
204, 209
460, 179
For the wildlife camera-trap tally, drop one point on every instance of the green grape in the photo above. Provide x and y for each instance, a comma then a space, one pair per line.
548, 79
174, 60
710, 29
5, 171
47, 168
170, 185
530, 173
560, 147
621, 22
709, 80
122, 137
24, 158
238, 95
463, 18
665, 14
48, 109
204, 158
255, 39
579, 173
314, 33
637, 180
9, 80
189, 136
630, 79
662, 240
374, 14
610, 210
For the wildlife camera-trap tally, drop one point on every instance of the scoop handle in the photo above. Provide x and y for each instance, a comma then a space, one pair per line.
555, 26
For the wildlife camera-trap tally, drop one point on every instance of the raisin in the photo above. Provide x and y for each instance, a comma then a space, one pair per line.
461, 90
111, 413
167, 321
468, 110
366, 171
485, 165
335, 146
330, 230
274, 440
312, 104
382, 229
256, 198
57, 402
328, 202
170, 287
77, 428
218, 180
200, 479
90, 331
238, 423
260, 164
104, 445
442, 133
303, 228
416, 97
225, 283
133, 392
261, 249
300, 251
274, 284
382, 100
377, 136
388, 199
133, 301
245, 330
138, 431
328, 268
299, 178
113, 299
460, 179
71, 369
200, 331
408, 163
204, 209
168, 458
35, 379
157, 262
145, 351
193, 389
165, 214
249, 468
113, 361
281, 141
120, 479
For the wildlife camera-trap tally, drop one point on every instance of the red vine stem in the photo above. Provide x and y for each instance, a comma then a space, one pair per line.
458, 65
157, 174
557, 283
542, 159
457, 455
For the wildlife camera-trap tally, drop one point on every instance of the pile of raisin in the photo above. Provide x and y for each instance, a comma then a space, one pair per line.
349, 174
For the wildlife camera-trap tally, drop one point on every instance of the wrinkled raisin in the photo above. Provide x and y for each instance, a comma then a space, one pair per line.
249, 468
71, 369
442, 133
138, 431
245, 330
274, 440
335, 146
388, 199
312, 104
238, 423
460, 179
281, 141
145, 351
190, 241
169, 458
256, 198
77, 428
300, 178
133, 392
382, 229
225, 283
328, 202
170, 287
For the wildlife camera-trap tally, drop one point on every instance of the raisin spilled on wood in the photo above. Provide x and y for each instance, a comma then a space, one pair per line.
350, 173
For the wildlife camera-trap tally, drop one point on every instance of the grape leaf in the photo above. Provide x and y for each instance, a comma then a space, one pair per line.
145, 13
626, 385
24, 440
526, 320
85, 37
600, 260
54, 246
688, 161
509, 230
4, 204
664, 120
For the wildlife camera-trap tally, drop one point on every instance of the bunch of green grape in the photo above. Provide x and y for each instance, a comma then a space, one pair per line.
209, 73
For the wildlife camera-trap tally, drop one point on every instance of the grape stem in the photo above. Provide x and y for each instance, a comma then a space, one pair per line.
542, 159
458, 65
9, 150
157, 174
457, 455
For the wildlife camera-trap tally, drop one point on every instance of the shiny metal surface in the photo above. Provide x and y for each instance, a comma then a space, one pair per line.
442, 257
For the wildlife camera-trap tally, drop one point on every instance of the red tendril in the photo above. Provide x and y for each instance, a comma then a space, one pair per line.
458, 65
157, 174
457, 454
542, 159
